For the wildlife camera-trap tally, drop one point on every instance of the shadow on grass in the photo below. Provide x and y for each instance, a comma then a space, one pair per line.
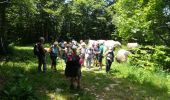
19, 83
22, 84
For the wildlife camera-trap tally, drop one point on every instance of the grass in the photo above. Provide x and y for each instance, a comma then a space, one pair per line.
20, 80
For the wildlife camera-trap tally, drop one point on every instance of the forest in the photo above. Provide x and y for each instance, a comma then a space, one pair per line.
143, 21
145, 76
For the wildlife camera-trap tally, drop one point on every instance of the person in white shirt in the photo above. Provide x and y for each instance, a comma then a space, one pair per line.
88, 57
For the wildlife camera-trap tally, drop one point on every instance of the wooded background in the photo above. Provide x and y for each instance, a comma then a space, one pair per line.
143, 21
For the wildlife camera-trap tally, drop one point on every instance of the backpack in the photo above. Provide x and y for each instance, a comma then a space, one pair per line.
89, 53
101, 50
36, 49
110, 56
74, 58
52, 51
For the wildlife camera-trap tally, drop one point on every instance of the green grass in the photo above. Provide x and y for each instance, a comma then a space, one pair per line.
20, 80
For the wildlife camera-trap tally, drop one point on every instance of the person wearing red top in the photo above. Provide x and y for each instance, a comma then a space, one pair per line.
73, 69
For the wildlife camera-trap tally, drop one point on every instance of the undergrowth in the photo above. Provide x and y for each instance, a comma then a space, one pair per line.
20, 80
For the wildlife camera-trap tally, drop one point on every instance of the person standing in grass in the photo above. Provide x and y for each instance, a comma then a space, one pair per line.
73, 69
64, 51
109, 58
88, 57
82, 51
100, 55
96, 54
41, 54
54, 52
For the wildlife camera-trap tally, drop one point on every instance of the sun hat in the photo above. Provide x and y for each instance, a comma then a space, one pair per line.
55, 43
83, 44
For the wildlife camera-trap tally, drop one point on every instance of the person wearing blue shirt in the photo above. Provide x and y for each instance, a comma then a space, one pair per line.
100, 56
54, 51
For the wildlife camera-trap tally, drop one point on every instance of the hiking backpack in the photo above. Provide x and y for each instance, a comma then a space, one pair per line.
36, 49
52, 52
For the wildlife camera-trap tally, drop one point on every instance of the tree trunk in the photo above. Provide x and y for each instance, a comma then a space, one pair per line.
3, 45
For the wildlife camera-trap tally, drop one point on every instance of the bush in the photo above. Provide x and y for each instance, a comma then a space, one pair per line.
151, 58
18, 89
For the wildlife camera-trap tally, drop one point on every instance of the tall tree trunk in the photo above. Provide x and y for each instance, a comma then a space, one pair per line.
3, 45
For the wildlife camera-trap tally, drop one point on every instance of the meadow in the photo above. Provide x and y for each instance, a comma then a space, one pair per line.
19, 79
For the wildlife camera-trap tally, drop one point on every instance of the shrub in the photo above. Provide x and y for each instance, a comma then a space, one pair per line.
18, 89
151, 58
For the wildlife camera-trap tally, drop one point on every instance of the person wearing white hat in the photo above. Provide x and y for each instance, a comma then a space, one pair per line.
54, 52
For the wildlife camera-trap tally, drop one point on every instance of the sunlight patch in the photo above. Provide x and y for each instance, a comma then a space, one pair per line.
54, 96
24, 48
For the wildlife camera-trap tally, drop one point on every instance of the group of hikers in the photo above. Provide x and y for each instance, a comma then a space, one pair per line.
75, 55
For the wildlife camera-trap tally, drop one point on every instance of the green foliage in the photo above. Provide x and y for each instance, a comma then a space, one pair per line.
139, 19
145, 21
143, 57
29, 19
89, 19
162, 57
151, 58
20, 80
145, 79
18, 89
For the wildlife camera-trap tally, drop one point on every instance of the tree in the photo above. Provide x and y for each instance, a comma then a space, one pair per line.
89, 18
3, 45
27, 20
138, 19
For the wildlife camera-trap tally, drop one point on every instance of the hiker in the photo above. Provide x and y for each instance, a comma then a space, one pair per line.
74, 44
81, 61
73, 69
82, 51
54, 52
68, 51
100, 55
41, 54
63, 51
109, 58
88, 57
96, 54
81, 41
